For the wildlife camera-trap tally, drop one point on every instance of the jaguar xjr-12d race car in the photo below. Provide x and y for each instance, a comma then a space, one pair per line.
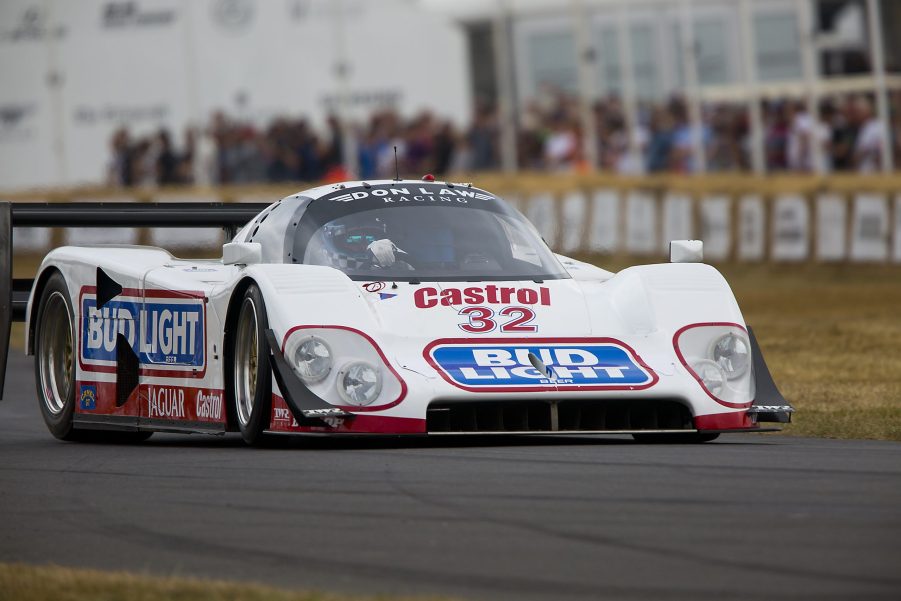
389, 307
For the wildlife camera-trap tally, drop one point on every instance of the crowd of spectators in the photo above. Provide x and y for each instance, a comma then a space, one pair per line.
845, 136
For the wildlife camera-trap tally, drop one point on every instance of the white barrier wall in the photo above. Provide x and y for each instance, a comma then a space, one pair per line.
896, 238
751, 230
791, 228
641, 223
75, 71
869, 228
604, 232
678, 219
831, 227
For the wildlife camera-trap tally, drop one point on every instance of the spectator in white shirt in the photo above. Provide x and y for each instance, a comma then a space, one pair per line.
868, 147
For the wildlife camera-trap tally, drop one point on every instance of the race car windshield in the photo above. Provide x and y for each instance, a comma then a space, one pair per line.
413, 242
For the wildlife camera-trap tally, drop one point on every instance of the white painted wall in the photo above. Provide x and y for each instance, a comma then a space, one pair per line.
152, 63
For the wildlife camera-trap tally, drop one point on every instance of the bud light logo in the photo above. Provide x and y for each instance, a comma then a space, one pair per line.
161, 332
506, 367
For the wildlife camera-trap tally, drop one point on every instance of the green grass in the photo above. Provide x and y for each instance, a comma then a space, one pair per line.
20, 582
831, 336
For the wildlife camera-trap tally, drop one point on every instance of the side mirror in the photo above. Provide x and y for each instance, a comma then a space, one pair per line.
242, 253
686, 251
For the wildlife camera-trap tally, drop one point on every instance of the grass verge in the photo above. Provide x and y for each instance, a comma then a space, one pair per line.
20, 582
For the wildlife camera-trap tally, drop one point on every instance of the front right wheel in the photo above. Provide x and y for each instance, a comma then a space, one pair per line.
251, 377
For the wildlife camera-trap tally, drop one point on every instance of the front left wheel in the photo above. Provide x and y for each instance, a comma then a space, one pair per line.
251, 376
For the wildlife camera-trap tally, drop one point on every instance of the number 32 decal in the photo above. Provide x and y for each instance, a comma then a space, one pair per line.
482, 320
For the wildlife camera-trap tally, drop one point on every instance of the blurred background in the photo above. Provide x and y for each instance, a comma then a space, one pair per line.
769, 128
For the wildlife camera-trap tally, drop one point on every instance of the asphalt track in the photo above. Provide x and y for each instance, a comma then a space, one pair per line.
748, 517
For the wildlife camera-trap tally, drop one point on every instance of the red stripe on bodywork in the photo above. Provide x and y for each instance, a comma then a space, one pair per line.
724, 421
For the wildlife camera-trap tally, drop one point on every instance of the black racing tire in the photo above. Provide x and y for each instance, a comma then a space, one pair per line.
676, 437
54, 357
248, 374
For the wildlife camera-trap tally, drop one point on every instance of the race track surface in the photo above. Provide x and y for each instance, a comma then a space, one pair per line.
748, 517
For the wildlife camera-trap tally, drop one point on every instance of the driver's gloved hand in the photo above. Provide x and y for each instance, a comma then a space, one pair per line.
383, 251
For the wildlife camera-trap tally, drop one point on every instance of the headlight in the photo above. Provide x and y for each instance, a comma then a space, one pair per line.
313, 359
711, 375
733, 354
359, 383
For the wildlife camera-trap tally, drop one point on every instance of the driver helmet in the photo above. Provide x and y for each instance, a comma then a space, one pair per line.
347, 244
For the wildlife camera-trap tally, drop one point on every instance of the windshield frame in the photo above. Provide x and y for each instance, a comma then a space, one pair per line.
344, 202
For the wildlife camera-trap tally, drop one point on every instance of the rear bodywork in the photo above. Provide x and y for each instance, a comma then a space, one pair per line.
615, 352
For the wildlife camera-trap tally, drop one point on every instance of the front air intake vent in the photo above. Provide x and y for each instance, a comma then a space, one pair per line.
558, 416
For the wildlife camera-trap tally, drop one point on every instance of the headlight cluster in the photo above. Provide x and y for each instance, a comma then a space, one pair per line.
358, 379
719, 358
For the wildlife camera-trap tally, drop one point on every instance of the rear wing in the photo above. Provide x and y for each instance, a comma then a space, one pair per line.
14, 292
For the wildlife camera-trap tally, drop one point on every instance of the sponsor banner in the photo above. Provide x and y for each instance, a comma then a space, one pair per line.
574, 208
365, 99
641, 223
603, 235
751, 229
869, 228
405, 193
132, 14
182, 403
17, 122
161, 331
677, 219
715, 227
30, 24
832, 227
791, 225
541, 210
504, 365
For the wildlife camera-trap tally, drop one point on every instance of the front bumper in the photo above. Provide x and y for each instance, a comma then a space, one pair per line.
299, 410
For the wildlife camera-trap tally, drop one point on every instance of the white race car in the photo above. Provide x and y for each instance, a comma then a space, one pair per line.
388, 307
